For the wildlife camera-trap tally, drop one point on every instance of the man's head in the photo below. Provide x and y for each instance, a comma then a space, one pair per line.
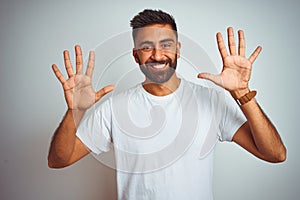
150, 17
156, 46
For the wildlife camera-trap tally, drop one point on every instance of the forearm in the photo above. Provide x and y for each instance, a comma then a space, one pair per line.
63, 141
264, 134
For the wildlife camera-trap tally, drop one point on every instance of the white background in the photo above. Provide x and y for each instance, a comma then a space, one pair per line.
33, 35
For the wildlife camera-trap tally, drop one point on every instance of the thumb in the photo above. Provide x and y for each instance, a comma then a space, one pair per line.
211, 77
103, 92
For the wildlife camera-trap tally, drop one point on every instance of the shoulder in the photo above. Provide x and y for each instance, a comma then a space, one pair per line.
202, 90
119, 95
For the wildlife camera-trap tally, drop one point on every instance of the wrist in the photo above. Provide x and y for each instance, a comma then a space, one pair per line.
239, 93
246, 98
76, 114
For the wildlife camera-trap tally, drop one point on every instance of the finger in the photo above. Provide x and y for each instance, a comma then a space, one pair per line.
68, 64
231, 42
221, 46
91, 64
254, 55
103, 92
79, 62
58, 74
211, 77
242, 44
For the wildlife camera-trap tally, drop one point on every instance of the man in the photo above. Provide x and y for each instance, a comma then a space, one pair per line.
160, 162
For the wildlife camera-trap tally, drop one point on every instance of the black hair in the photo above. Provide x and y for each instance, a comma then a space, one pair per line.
150, 17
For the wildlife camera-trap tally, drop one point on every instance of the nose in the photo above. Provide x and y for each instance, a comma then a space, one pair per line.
157, 54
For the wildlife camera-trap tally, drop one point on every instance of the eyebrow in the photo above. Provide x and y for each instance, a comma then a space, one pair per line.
161, 41
167, 40
145, 42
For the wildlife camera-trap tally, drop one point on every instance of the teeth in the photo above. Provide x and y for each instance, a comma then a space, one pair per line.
159, 66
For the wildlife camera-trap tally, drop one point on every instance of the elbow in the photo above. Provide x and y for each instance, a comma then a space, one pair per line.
53, 164
279, 156
282, 155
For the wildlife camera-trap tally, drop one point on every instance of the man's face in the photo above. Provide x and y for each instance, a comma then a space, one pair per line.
156, 51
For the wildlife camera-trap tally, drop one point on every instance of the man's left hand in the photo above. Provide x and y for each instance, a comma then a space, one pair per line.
237, 68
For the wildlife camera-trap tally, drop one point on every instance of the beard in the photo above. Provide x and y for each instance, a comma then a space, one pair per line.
159, 76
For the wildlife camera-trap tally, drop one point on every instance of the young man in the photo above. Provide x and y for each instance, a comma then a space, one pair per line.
158, 128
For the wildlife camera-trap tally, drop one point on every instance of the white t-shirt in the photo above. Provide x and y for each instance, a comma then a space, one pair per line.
162, 145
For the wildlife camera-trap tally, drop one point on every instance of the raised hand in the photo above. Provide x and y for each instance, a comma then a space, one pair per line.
237, 68
78, 90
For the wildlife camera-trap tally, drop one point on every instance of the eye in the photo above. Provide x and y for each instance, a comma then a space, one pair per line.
166, 45
147, 48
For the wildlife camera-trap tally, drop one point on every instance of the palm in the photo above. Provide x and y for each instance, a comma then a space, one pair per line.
236, 73
79, 92
78, 89
237, 68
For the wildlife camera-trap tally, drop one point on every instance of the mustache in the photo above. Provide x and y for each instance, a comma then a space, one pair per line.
158, 62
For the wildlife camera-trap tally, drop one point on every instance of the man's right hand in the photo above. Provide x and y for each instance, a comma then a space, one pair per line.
66, 148
78, 90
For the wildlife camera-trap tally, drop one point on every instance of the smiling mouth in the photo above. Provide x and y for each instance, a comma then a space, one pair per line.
158, 66
161, 66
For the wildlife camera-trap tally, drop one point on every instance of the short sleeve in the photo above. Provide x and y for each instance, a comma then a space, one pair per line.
95, 129
232, 119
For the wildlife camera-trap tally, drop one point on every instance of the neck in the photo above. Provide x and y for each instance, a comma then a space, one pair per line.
162, 89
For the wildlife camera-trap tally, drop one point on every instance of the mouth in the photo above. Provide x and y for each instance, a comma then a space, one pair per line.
158, 66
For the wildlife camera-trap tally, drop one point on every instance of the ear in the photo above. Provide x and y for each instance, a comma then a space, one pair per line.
178, 49
135, 55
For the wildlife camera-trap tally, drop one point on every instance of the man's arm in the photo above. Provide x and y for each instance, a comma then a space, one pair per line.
257, 135
66, 148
